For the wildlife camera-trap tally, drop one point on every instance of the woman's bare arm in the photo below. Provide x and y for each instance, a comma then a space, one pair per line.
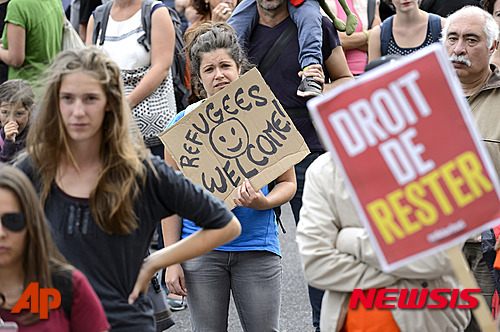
16, 37
162, 53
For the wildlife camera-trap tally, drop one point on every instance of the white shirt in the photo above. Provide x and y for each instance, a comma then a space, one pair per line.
121, 43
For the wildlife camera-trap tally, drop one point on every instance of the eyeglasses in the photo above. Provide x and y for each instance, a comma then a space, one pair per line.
13, 221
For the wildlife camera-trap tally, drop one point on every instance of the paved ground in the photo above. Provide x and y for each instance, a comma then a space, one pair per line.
295, 308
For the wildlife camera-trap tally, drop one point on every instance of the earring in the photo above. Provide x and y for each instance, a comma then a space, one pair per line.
207, 7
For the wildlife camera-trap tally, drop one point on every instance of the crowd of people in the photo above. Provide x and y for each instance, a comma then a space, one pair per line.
85, 182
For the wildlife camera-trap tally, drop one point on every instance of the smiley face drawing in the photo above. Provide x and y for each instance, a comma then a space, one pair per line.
229, 138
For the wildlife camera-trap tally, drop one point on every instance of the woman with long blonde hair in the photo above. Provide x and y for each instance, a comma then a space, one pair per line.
103, 194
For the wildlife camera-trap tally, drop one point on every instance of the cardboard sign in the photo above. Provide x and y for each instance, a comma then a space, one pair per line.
419, 176
240, 132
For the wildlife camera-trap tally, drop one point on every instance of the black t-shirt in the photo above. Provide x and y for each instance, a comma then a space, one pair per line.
444, 8
282, 78
112, 262
86, 9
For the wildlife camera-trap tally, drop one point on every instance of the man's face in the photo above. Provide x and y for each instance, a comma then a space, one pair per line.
467, 47
270, 4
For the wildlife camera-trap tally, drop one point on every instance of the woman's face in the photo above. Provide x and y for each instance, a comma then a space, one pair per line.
496, 11
82, 104
217, 70
12, 240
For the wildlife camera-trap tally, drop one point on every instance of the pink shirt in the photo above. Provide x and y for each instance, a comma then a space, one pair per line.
356, 59
87, 313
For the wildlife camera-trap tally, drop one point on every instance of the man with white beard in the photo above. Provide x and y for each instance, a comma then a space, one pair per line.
470, 36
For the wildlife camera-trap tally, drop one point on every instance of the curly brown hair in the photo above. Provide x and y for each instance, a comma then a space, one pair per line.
208, 37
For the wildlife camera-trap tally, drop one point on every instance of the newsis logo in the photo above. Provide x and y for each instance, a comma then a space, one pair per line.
42, 300
414, 298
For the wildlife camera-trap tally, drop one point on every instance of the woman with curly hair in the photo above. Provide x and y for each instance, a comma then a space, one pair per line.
248, 267
209, 11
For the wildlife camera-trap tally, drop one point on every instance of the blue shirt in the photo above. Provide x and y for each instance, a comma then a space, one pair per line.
259, 229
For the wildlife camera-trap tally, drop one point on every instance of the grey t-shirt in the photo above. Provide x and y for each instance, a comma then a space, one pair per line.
112, 262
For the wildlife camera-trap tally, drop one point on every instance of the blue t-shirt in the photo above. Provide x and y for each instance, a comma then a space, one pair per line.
259, 229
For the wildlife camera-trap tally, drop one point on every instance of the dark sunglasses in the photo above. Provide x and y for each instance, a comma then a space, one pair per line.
14, 221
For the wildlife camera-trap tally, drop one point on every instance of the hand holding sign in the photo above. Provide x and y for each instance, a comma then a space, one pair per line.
248, 197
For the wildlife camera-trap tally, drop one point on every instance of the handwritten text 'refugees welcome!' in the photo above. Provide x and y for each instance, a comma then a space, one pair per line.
240, 132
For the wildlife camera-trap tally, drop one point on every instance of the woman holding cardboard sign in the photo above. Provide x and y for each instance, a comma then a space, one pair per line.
249, 266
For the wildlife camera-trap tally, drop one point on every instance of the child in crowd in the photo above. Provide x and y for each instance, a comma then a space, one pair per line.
308, 21
16, 103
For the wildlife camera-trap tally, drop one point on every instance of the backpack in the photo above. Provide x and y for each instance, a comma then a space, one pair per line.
386, 31
178, 68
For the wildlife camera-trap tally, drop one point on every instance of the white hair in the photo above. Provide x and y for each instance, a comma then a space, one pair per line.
490, 26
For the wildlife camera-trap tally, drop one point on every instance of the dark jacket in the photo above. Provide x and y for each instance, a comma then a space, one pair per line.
10, 149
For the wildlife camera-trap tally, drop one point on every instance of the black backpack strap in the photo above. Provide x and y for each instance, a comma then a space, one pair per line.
101, 16
435, 26
385, 35
63, 282
178, 67
145, 40
277, 210
371, 13
278, 47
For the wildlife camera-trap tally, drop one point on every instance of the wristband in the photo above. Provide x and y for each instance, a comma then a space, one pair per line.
367, 34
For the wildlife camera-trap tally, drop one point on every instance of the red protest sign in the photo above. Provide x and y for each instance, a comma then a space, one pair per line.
418, 174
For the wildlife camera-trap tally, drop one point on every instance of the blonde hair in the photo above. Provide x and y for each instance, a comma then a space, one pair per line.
122, 150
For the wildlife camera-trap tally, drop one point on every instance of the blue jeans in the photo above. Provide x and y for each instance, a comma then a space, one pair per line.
253, 277
307, 17
315, 295
474, 255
